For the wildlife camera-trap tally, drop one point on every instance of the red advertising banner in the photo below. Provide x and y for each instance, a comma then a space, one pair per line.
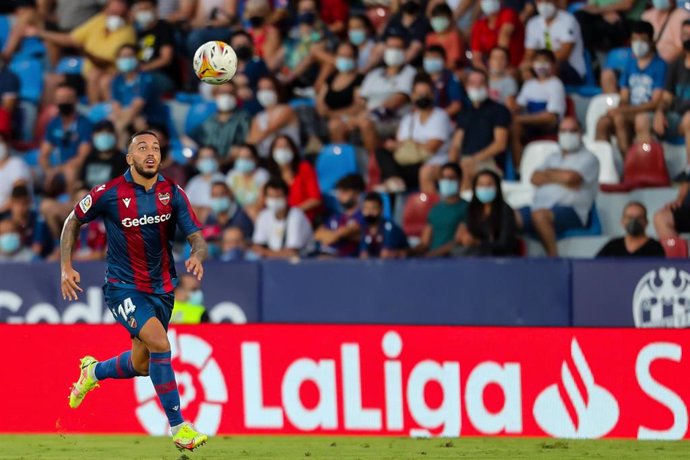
387, 380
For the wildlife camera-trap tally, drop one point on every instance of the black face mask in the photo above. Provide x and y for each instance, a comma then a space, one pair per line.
349, 204
424, 102
256, 21
635, 227
308, 18
370, 219
411, 8
686, 44
244, 53
66, 109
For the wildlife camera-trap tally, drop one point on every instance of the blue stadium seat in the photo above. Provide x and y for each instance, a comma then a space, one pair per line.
188, 98
197, 114
387, 206
30, 73
509, 174
5, 27
70, 65
300, 102
333, 162
575, 7
593, 228
31, 157
589, 88
99, 112
617, 59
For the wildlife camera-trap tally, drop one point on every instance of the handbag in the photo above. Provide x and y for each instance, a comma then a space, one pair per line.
409, 152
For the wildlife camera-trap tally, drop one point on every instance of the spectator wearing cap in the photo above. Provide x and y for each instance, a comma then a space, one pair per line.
340, 234
226, 212
667, 21
381, 238
67, 141
446, 35
155, 45
209, 20
11, 247
498, 26
412, 25
13, 170
106, 161
449, 93
246, 179
249, 64
99, 39
636, 242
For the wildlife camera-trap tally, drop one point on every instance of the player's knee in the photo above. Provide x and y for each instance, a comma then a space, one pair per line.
141, 367
158, 344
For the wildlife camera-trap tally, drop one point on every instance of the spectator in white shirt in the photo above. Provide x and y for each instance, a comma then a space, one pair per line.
566, 184
556, 30
13, 171
541, 104
281, 232
198, 189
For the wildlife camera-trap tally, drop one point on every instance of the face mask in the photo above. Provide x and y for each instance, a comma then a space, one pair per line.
66, 109
448, 187
546, 10
226, 102
490, 6
256, 21
394, 57
244, 53
244, 165
113, 23
126, 64
207, 165
344, 64
639, 48
686, 44
477, 95
411, 8
357, 36
275, 204
424, 103
283, 156
308, 18
635, 227
144, 18
196, 297
371, 219
349, 204
104, 142
267, 97
220, 205
661, 4
433, 65
9, 243
440, 24
3, 151
485, 194
542, 69
569, 142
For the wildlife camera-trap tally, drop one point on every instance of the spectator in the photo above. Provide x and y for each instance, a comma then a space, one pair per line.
33, 233
446, 35
199, 187
465, 13
340, 235
247, 179
499, 26
334, 13
134, 95
281, 231
13, 170
381, 238
604, 23
502, 85
156, 47
64, 16
667, 21
490, 229
421, 146
556, 30
9, 90
189, 302
226, 212
337, 101
443, 223
99, 39
482, 131
210, 20
541, 104
361, 32
227, 128
674, 218
449, 94
233, 245
298, 174
106, 161
276, 119
11, 247
642, 84
249, 64
410, 24
567, 184
25, 18
635, 243
386, 91
67, 140
672, 116
265, 36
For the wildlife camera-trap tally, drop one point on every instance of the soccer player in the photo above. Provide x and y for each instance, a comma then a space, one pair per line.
140, 209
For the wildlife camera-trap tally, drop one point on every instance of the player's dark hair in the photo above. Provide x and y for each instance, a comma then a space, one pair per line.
454, 167
437, 49
141, 133
276, 183
374, 197
643, 28
352, 182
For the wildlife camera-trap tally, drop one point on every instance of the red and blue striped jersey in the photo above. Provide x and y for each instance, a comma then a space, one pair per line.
140, 228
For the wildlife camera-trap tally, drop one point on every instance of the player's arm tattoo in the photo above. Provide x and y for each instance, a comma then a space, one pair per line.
70, 233
199, 246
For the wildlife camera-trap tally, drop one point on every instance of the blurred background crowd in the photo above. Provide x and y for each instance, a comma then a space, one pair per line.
370, 128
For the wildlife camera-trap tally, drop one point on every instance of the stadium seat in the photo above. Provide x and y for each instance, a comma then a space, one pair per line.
416, 211
644, 166
31, 157
590, 87
333, 162
30, 72
593, 226
99, 112
608, 174
70, 65
575, 7
197, 114
597, 108
617, 58
188, 98
675, 247
5, 27
387, 206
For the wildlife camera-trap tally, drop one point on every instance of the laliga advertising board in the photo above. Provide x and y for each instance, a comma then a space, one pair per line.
409, 381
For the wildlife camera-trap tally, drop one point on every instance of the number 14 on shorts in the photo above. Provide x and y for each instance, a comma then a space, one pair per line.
126, 308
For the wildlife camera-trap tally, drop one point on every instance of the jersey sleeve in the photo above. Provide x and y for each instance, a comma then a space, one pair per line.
186, 219
91, 206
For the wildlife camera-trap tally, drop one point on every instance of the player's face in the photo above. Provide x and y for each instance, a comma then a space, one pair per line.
145, 155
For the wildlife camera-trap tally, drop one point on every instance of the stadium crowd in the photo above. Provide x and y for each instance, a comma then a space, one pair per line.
370, 129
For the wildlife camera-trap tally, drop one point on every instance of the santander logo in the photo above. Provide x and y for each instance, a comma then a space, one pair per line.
596, 409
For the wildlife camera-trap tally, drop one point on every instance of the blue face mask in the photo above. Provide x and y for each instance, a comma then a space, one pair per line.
196, 297
10, 243
126, 64
433, 65
344, 64
448, 187
485, 194
232, 254
357, 36
104, 141
244, 165
219, 205
207, 165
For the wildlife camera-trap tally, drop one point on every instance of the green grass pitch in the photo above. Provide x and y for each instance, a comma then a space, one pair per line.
83, 447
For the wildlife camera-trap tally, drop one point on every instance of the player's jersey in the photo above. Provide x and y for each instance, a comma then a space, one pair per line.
140, 227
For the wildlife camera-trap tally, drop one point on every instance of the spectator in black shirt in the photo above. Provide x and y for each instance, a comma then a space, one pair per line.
106, 161
155, 42
635, 243
413, 26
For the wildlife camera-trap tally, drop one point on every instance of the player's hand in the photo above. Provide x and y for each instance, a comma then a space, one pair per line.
193, 266
70, 280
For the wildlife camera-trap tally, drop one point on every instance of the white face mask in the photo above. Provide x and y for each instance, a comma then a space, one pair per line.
640, 48
477, 95
546, 10
226, 102
393, 57
282, 155
275, 204
569, 142
3, 151
490, 6
113, 23
144, 18
267, 97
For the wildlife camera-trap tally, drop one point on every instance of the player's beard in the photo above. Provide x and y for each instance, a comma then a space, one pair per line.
146, 174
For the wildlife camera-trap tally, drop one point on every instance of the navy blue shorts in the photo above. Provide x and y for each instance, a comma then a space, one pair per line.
133, 308
564, 218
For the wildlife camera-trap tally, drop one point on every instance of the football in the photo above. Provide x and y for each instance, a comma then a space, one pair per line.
215, 62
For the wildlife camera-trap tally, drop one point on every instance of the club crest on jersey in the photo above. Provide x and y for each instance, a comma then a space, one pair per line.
85, 203
132, 322
164, 198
